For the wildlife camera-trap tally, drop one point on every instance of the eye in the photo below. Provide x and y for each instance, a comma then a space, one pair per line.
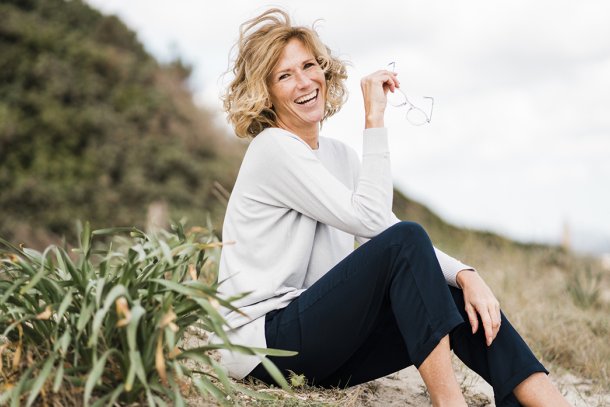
308, 65
282, 77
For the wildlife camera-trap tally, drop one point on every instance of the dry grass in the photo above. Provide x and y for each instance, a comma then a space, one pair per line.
302, 394
536, 287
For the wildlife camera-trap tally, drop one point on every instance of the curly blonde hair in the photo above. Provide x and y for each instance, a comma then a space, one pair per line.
260, 45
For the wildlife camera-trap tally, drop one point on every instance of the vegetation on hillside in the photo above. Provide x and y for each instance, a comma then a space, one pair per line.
92, 127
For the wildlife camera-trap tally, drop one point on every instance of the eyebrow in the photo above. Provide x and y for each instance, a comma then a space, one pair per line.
289, 69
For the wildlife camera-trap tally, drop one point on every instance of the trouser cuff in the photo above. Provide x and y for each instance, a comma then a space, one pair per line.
504, 396
448, 325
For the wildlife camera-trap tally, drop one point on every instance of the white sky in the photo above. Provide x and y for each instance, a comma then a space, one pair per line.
520, 137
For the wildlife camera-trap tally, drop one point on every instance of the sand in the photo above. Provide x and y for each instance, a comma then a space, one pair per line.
406, 388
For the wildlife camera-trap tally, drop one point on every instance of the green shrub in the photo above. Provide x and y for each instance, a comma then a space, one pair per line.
584, 287
92, 127
106, 323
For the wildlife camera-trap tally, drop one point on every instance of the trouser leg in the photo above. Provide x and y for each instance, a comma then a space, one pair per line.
396, 274
504, 364
382, 353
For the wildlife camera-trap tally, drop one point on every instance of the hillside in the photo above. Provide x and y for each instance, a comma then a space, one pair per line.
93, 128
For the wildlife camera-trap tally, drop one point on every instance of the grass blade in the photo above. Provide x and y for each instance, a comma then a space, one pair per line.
275, 373
64, 305
114, 231
40, 381
59, 377
206, 386
17, 390
135, 359
114, 293
132, 329
84, 317
39, 275
94, 375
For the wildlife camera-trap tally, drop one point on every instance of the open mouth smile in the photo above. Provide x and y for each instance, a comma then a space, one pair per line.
307, 98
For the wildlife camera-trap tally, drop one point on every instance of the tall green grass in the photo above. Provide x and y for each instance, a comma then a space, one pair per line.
106, 322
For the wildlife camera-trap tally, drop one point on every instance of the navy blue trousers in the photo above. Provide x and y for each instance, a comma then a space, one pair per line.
385, 307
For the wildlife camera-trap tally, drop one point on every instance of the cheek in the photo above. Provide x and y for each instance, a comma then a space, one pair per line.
277, 95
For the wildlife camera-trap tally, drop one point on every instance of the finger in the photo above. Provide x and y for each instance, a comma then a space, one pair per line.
389, 78
487, 328
496, 318
390, 82
386, 79
472, 317
396, 81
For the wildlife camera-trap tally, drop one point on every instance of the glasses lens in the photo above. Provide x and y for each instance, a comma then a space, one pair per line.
396, 98
417, 117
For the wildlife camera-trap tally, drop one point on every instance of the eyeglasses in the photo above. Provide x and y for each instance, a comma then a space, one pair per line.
415, 115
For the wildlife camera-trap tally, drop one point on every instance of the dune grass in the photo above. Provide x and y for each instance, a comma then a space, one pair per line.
107, 322
558, 301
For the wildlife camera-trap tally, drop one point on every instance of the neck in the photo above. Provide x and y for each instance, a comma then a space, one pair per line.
311, 139
309, 135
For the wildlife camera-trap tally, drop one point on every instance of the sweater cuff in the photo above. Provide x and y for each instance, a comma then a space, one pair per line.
375, 140
451, 267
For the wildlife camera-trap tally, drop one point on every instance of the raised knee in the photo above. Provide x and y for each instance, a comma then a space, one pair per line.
410, 231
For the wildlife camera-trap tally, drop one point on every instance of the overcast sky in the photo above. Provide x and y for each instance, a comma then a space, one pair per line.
519, 141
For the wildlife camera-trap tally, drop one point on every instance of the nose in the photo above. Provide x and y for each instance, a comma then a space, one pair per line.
302, 79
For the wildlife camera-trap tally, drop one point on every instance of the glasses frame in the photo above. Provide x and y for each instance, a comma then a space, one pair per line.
411, 106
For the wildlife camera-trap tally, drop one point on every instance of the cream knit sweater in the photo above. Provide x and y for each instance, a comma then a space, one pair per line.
293, 214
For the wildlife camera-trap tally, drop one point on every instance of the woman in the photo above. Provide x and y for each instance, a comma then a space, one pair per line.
299, 202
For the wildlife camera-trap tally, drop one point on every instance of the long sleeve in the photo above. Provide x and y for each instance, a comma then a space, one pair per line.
450, 266
292, 177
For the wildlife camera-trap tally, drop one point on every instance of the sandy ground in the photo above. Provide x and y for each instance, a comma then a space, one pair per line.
406, 388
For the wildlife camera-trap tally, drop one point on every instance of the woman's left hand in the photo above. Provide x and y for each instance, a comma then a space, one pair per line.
480, 300
374, 90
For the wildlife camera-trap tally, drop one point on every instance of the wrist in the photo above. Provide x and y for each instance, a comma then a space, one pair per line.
463, 276
373, 120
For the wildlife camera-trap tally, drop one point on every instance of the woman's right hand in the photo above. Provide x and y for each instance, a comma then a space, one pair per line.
374, 90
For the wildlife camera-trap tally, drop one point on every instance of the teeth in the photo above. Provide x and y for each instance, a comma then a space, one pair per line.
307, 98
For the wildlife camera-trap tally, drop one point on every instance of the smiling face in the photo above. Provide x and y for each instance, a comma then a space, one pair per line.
297, 89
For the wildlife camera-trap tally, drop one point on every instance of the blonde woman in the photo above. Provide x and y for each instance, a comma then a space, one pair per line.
299, 202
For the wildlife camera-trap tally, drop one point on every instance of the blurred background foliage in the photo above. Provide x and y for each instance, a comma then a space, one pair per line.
92, 127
